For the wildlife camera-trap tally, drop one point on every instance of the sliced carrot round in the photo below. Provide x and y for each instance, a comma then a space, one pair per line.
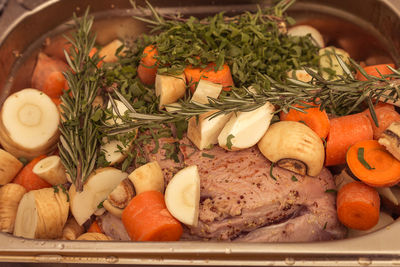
223, 76
313, 117
358, 206
375, 70
370, 162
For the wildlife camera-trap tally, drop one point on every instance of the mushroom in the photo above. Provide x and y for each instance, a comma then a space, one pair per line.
391, 139
293, 146
119, 198
72, 230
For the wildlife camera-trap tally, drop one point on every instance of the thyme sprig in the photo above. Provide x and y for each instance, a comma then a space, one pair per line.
79, 133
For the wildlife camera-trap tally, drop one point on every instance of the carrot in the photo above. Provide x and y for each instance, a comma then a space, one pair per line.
375, 70
223, 76
370, 162
316, 119
95, 228
147, 68
385, 115
146, 218
44, 67
358, 206
344, 132
54, 85
28, 179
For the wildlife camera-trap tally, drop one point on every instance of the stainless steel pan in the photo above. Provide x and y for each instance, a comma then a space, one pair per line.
376, 24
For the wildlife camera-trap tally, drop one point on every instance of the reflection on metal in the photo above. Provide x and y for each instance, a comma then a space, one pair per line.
374, 22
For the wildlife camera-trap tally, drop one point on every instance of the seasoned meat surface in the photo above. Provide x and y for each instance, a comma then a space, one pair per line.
241, 200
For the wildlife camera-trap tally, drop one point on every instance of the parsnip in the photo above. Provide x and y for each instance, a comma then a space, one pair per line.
96, 189
72, 230
94, 237
182, 195
29, 124
303, 30
10, 196
170, 88
115, 150
148, 177
204, 90
328, 60
203, 131
9, 167
51, 170
245, 129
42, 214
109, 51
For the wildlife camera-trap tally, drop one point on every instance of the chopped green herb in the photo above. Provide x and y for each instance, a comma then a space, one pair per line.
361, 159
229, 141
23, 160
294, 179
207, 155
100, 205
326, 223
334, 191
270, 171
56, 190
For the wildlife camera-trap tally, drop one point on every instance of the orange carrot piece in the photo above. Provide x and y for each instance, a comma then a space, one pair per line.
358, 206
370, 162
223, 76
54, 84
146, 218
147, 68
95, 228
385, 115
44, 67
28, 179
344, 132
316, 119
374, 70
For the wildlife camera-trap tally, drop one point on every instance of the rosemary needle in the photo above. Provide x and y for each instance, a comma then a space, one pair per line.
79, 133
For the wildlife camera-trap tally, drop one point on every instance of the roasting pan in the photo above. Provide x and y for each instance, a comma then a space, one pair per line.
374, 25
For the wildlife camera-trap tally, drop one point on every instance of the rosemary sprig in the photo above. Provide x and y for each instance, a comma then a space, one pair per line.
79, 133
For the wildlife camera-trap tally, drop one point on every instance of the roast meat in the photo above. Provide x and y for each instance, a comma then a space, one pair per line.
244, 199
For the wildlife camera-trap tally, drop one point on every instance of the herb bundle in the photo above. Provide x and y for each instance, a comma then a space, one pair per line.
79, 133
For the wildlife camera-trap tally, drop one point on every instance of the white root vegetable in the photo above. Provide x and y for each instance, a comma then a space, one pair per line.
96, 189
203, 131
204, 90
9, 167
109, 51
72, 230
94, 237
148, 177
390, 139
245, 129
10, 196
303, 30
29, 124
293, 146
115, 151
42, 214
182, 195
328, 60
51, 170
170, 88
